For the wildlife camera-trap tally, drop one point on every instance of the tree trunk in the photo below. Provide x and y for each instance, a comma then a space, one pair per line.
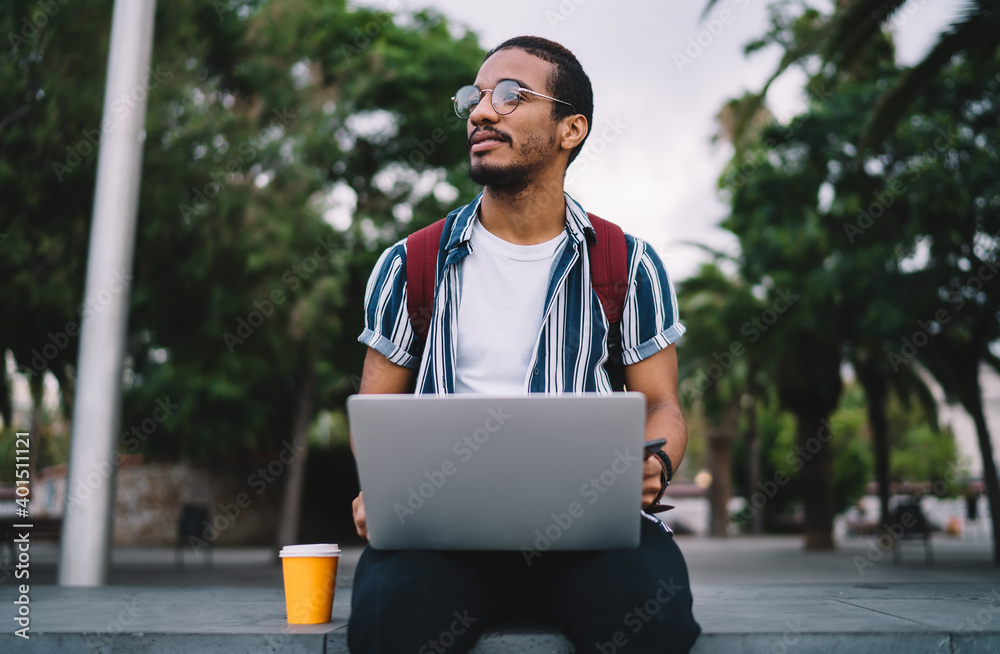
720, 464
753, 442
809, 386
6, 392
815, 452
721, 433
877, 391
974, 405
35, 455
880, 443
67, 387
291, 505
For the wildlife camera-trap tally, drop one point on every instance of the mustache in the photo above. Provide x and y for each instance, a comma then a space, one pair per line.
497, 133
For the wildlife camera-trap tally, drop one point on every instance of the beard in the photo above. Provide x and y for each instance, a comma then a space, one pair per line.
510, 179
514, 178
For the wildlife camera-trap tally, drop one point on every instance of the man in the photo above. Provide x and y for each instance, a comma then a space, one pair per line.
515, 313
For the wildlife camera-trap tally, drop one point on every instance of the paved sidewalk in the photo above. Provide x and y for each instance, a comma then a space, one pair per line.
746, 560
829, 618
751, 595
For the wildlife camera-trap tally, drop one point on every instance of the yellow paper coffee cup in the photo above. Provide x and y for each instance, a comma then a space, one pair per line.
310, 573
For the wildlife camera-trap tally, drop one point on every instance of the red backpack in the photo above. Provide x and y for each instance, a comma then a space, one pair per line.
608, 272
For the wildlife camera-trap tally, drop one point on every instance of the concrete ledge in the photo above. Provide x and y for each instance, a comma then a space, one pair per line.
943, 618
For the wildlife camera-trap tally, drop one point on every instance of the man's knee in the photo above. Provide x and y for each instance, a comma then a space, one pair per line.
416, 602
425, 630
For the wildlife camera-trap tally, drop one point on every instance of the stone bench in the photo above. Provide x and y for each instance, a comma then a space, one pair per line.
899, 618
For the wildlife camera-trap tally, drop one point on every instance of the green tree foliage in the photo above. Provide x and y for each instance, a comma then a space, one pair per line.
878, 244
262, 115
844, 38
778, 495
720, 372
287, 143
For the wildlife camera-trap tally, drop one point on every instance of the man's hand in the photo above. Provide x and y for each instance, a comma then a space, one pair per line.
379, 376
651, 469
656, 378
360, 523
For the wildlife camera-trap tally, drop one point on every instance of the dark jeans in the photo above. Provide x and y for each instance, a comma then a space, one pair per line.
607, 602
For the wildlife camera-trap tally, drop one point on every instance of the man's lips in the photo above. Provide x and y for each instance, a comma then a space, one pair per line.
481, 141
485, 145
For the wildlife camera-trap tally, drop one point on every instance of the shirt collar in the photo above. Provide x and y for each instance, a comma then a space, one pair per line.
577, 222
461, 228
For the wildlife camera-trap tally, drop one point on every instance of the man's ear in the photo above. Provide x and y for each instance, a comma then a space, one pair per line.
572, 130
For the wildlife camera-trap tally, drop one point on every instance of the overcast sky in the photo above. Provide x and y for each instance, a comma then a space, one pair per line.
657, 176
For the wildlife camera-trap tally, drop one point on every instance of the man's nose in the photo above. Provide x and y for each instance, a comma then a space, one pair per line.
484, 112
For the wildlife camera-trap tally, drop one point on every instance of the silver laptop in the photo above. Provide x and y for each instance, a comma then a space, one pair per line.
474, 472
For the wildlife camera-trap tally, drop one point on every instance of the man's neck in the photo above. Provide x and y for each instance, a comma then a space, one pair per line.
535, 214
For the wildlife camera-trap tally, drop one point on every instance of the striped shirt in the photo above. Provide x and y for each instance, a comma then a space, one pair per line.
572, 347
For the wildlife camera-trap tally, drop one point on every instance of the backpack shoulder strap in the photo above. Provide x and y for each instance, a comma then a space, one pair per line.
421, 275
608, 270
609, 267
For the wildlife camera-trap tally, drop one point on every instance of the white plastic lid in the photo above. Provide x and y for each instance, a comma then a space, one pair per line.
315, 549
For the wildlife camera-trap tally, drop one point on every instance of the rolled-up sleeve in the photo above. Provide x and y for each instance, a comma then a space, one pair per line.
650, 321
387, 323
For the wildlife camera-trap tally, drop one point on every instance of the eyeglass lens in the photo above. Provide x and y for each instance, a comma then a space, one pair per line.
504, 97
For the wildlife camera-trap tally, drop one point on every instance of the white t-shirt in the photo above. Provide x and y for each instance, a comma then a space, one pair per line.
500, 312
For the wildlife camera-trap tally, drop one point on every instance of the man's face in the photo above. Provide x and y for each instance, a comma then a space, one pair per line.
507, 152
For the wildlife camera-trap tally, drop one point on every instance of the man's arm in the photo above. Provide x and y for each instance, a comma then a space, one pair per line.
656, 378
383, 376
379, 376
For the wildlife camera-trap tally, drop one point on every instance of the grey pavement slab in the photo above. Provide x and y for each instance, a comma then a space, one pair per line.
905, 618
130, 619
734, 561
751, 595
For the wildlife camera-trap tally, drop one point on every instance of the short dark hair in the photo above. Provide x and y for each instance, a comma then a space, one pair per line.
568, 82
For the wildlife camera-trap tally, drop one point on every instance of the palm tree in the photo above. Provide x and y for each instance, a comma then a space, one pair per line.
718, 372
841, 39
872, 368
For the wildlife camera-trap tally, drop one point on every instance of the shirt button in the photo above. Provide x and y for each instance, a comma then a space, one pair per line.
535, 372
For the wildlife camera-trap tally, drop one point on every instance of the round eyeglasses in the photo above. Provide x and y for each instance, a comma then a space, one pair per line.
504, 97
